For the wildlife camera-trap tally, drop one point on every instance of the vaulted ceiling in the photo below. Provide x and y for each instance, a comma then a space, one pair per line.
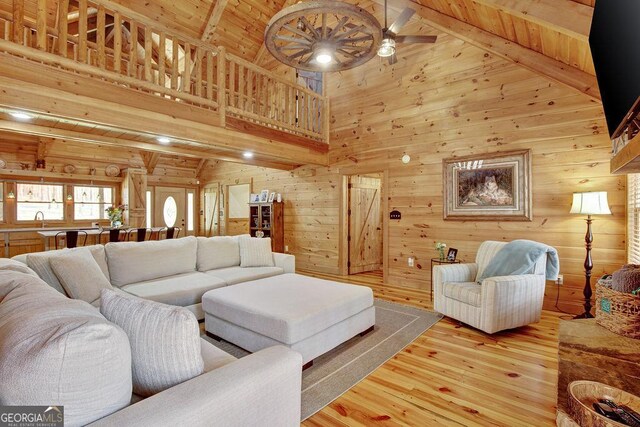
547, 36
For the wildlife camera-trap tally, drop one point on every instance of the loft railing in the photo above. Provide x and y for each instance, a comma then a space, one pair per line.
110, 42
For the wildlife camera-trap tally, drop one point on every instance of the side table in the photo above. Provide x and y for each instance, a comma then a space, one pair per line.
438, 261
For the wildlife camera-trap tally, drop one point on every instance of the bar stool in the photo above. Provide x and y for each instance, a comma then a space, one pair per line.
141, 234
71, 238
171, 232
114, 235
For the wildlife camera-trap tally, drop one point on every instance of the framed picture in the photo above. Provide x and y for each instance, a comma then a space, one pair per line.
491, 187
264, 196
452, 254
272, 197
255, 198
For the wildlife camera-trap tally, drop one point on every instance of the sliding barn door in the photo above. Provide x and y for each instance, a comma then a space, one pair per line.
365, 224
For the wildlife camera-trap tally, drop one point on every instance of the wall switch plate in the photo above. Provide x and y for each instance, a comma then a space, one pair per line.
286, 248
560, 280
411, 261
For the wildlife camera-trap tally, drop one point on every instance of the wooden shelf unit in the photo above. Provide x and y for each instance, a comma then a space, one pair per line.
269, 219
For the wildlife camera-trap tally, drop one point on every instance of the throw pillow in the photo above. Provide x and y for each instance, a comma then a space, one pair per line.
255, 252
165, 340
80, 275
12, 265
218, 252
59, 351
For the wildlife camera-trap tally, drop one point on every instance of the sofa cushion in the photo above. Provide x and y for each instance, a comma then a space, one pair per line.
287, 308
14, 265
165, 341
79, 275
39, 262
233, 275
466, 292
255, 252
213, 357
132, 262
218, 252
182, 289
54, 350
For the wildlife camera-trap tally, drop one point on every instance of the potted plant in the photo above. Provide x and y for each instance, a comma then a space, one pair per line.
115, 215
440, 248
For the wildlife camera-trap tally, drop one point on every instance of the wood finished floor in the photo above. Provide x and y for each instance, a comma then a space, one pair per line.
453, 375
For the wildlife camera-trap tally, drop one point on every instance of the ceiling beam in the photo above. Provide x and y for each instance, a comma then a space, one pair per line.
201, 166
214, 19
564, 16
68, 135
150, 161
538, 63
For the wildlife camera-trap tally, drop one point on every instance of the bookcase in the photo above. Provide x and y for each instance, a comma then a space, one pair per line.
267, 220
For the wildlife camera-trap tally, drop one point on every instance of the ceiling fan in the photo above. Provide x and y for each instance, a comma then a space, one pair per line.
390, 35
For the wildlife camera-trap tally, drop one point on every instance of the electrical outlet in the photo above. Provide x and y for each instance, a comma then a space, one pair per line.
560, 280
286, 248
411, 261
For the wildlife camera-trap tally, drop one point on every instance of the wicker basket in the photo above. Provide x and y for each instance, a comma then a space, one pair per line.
617, 311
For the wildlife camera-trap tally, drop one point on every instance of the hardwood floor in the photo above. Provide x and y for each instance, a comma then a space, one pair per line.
454, 375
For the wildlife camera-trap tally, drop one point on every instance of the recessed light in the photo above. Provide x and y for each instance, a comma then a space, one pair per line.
247, 155
163, 140
406, 159
20, 115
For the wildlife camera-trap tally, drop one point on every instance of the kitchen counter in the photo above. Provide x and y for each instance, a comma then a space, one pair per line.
6, 233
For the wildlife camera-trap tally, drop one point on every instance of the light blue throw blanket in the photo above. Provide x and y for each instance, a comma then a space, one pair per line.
519, 257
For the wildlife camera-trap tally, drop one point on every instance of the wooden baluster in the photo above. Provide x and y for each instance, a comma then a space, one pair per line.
162, 49
117, 42
232, 84
186, 79
174, 64
133, 49
222, 75
18, 21
258, 96
82, 30
148, 54
241, 87
287, 104
41, 25
327, 119
63, 12
209, 75
100, 38
198, 71
249, 91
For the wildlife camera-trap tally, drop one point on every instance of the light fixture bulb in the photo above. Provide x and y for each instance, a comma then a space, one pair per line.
20, 115
163, 140
247, 155
387, 47
406, 159
324, 53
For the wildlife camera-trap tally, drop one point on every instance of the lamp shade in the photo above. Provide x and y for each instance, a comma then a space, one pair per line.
592, 203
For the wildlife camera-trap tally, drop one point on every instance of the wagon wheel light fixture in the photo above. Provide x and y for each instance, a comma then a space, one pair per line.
323, 36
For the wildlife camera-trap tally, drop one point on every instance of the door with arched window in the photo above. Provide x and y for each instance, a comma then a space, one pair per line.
174, 207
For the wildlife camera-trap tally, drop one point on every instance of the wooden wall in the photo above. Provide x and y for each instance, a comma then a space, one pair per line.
447, 100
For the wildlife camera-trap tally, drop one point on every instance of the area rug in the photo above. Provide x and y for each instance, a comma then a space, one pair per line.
335, 372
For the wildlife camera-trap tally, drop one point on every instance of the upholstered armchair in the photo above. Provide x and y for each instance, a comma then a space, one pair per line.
497, 303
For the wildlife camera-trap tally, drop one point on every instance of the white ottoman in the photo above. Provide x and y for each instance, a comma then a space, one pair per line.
308, 315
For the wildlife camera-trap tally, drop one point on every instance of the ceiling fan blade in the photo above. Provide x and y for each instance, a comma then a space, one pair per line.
393, 59
416, 39
401, 20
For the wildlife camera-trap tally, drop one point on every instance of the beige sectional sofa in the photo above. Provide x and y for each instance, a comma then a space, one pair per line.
176, 271
58, 351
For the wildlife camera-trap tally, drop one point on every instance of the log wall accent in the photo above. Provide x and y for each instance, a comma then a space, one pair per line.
448, 100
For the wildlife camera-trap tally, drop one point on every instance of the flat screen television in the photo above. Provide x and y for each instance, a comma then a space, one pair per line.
615, 47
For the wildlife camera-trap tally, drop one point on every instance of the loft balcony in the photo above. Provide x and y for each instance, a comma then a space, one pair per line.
98, 68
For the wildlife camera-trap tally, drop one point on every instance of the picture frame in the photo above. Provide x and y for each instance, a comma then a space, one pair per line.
264, 196
255, 198
272, 197
452, 254
489, 187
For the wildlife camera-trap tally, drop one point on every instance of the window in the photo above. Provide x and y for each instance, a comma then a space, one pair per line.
1, 201
170, 211
91, 202
34, 198
190, 211
633, 218
149, 209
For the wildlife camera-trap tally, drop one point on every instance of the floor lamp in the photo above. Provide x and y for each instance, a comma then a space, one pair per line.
592, 203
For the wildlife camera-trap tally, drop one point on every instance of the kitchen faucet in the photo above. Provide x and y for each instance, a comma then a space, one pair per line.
36, 217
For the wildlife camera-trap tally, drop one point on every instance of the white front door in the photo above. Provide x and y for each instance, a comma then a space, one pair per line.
172, 208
